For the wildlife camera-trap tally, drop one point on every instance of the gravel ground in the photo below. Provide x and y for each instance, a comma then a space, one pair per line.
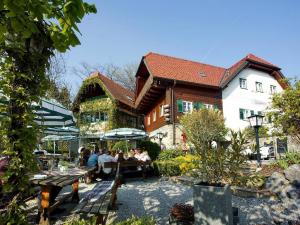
156, 197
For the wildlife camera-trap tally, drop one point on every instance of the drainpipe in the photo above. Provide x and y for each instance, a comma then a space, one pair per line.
173, 113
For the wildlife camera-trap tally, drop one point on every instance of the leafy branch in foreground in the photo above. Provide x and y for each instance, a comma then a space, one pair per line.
30, 32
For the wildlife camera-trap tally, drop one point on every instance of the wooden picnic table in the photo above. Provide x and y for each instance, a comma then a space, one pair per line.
52, 185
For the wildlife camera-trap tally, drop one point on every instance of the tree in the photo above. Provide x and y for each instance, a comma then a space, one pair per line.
249, 132
125, 75
30, 32
204, 126
285, 112
220, 162
58, 89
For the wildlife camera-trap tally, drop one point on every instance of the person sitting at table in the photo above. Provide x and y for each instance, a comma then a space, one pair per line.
137, 153
145, 156
103, 158
120, 157
93, 159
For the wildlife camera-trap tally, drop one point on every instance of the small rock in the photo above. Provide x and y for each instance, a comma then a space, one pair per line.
276, 182
290, 191
293, 173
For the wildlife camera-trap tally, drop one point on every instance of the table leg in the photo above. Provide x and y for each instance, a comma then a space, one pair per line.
45, 203
75, 195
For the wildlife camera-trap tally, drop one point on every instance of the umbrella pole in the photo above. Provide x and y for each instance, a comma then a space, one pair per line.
126, 146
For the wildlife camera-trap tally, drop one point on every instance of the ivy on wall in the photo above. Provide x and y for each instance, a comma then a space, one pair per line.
108, 104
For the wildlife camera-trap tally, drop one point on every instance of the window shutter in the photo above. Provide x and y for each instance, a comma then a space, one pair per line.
196, 105
242, 114
201, 105
179, 105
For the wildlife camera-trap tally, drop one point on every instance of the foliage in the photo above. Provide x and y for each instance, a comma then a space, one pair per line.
145, 220
221, 163
250, 133
152, 148
167, 167
177, 166
202, 127
30, 32
122, 145
76, 221
285, 112
169, 154
216, 163
255, 181
288, 159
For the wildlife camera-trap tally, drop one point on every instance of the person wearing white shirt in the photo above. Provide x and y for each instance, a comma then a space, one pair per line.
101, 160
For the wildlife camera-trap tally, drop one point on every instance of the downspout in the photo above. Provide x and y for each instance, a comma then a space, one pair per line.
173, 113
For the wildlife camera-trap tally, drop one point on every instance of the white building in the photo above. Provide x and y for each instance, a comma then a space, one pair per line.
239, 91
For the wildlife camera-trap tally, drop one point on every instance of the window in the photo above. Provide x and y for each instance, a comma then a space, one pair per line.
154, 115
209, 106
272, 89
187, 106
161, 110
103, 116
258, 86
148, 120
245, 113
243, 83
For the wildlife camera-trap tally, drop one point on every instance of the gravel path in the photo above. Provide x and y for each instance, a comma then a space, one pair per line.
155, 197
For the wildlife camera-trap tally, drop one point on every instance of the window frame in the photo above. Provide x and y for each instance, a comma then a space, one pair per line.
161, 110
260, 90
154, 116
187, 106
245, 80
273, 89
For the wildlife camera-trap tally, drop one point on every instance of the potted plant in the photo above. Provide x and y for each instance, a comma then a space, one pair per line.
220, 165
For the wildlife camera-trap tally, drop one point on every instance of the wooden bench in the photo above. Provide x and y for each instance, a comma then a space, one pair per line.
125, 165
99, 200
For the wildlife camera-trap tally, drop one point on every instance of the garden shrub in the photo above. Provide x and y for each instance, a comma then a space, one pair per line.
177, 166
170, 154
145, 220
167, 167
152, 148
77, 221
255, 181
121, 145
288, 159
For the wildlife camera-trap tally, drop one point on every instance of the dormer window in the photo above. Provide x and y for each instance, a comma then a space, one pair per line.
273, 89
258, 86
243, 83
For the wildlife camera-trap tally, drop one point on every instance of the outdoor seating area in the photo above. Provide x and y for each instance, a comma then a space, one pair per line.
170, 112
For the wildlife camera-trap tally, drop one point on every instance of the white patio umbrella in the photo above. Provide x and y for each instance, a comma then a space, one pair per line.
58, 138
124, 134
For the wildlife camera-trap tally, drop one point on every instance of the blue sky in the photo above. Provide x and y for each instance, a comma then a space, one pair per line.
217, 32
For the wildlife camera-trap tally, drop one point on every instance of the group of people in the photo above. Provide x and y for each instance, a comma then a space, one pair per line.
100, 156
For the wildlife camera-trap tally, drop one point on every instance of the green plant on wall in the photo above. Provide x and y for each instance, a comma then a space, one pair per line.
105, 103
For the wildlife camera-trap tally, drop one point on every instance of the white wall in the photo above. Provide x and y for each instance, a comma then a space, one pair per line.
235, 98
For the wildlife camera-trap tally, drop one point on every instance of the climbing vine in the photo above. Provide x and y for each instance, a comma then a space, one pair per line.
30, 32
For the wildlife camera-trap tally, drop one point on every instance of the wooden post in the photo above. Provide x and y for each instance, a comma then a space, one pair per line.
45, 203
75, 195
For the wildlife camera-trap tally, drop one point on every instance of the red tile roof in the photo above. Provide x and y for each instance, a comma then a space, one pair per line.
183, 70
116, 90
168, 67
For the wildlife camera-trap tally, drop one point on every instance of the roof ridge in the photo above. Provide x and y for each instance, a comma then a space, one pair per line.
181, 59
